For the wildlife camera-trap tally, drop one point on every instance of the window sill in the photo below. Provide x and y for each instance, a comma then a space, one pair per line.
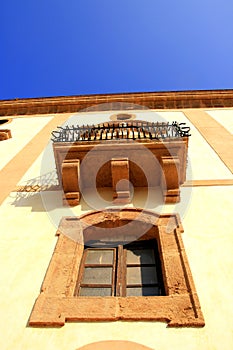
176, 310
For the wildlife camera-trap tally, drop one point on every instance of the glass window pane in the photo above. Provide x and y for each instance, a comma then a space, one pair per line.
102, 256
97, 275
142, 291
141, 275
140, 256
95, 292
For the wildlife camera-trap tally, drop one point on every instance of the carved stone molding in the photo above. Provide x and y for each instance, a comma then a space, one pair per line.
150, 164
120, 180
57, 302
70, 181
170, 181
153, 100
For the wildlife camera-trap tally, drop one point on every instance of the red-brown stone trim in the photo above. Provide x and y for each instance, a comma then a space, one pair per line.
5, 134
114, 345
70, 181
120, 180
170, 180
144, 171
57, 303
197, 183
151, 100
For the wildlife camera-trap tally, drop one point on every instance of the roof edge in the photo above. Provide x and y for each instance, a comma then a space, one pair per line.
117, 101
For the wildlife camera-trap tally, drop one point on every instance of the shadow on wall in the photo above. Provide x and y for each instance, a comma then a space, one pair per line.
43, 193
29, 193
150, 198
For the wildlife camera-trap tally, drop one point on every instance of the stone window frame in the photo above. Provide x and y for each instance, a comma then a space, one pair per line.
57, 304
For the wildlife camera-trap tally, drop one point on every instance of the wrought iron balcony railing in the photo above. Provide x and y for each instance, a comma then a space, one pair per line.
125, 130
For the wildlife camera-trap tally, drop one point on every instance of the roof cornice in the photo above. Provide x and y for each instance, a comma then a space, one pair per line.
151, 100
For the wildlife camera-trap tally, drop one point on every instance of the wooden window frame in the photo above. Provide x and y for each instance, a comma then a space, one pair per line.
83, 265
57, 304
119, 267
151, 243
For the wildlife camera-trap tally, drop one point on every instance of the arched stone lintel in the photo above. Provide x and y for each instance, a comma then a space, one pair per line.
76, 225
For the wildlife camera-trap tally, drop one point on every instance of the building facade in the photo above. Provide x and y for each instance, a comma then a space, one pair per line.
126, 187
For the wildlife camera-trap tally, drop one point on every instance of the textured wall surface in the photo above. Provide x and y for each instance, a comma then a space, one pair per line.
29, 223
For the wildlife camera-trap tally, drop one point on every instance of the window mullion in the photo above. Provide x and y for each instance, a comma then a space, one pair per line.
120, 281
114, 271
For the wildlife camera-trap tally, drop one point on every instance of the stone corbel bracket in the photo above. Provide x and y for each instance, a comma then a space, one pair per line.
170, 180
70, 181
120, 180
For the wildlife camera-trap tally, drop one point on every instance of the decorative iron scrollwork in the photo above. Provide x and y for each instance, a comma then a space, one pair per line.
123, 130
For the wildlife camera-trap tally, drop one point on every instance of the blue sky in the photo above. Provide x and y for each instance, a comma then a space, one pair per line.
76, 47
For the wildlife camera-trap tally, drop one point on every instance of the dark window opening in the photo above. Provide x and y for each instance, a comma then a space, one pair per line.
4, 121
126, 270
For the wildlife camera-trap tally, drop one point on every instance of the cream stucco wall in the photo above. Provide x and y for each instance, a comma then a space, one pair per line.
224, 117
22, 131
27, 239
